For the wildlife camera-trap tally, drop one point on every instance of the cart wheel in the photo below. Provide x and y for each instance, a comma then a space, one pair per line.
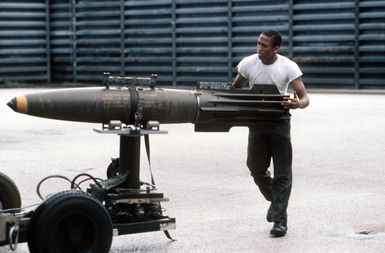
113, 168
70, 221
9, 194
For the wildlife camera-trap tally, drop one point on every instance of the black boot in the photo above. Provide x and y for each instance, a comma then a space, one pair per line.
279, 229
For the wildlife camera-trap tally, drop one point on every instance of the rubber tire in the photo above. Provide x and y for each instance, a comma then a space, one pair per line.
68, 222
9, 193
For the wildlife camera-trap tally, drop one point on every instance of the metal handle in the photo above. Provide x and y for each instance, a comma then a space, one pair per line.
13, 237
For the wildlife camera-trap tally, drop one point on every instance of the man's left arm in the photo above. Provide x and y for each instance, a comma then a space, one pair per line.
301, 99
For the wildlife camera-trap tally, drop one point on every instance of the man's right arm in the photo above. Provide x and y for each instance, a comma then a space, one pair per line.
239, 81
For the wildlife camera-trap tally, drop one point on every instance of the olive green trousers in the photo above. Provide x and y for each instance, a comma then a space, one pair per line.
270, 141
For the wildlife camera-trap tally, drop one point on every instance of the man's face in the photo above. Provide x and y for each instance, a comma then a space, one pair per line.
265, 49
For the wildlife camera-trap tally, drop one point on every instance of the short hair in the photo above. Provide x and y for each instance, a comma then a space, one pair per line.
275, 36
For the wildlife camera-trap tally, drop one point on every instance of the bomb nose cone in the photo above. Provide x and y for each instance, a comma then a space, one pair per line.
19, 104
12, 104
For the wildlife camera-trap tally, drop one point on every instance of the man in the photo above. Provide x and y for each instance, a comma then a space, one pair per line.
270, 139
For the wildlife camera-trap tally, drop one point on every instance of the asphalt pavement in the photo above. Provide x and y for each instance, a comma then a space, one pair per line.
338, 196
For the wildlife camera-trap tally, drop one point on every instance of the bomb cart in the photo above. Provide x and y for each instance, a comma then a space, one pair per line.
79, 220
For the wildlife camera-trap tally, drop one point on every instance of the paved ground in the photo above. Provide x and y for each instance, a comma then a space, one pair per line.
338, 197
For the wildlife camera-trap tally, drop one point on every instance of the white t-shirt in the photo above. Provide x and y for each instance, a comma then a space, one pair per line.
280, 73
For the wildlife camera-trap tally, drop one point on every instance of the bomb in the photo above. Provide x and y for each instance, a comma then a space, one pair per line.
212, 106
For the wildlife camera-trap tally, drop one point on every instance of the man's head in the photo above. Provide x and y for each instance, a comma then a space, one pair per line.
268, 44
275, 36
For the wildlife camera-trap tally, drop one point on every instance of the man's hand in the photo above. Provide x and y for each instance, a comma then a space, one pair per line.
300, 99
292, 103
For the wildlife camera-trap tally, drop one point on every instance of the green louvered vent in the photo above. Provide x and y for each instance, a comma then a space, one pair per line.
337, 43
